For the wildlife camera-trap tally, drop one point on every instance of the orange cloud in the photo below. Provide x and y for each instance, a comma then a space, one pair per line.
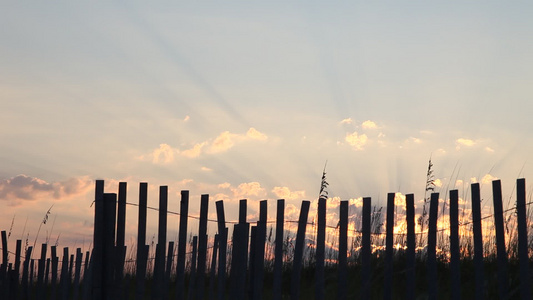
286, 193
356, 141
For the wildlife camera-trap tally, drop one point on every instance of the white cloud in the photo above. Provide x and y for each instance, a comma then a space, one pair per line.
195, 151
286, 193
253, 134
464, 142
249, 189
164, 154
356, 141
346, 121
206, 169
437, 182
489, 149
187, 118
369, 125
488, 178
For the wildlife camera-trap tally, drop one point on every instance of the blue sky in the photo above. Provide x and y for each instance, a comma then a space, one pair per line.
245, 100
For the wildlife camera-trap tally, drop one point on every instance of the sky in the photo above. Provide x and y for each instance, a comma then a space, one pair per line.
250, 100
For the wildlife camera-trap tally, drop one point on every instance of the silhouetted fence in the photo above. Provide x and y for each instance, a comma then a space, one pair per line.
392, 271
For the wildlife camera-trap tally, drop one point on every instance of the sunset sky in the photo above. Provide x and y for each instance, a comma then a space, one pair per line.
242, 100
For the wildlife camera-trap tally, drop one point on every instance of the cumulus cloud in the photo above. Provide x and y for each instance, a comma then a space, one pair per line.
195, 151
437, 182
462, 142
23, 187
254, 134
346, 121
356, 141
245, 189
488, 178
283, 192
226, 140
369, 125
164, 154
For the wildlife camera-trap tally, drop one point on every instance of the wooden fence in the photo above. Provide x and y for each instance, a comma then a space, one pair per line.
103, 274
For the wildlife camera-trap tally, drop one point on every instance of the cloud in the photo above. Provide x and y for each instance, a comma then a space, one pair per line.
248, 189
346, 121
227, 140
195, 151
187, 118
488, 179
489, 149
164, 154
23, 187
437, 182
283, 192
356, 141
464, 142
223, 142
369, 125
206, 169
253, 134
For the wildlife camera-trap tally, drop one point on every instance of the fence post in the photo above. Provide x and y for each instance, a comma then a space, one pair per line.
77, 274
3, 268
343, 249
140, 268
411, 246
168, 268
55, 263
431, 249
260, 250
40, 273
25, 269
192, 272
98, 242
525, 282
455, 258
202, 246
158, 283
365, 250
212, 276
251, 271
320, 250
64, 282
120, 249
223, 242
500, 239
389, 250
16, 274
478, 241
298, 251
110, 209
278, 251
182, 246
239, 255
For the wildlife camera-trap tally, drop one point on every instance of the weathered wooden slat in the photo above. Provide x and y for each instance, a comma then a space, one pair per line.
320, 250
501, 252
110, 209
478, 242
366, 250
192, 271
120, 251
140, 268
77, 274
202, 247
431, 248
455, 258
411, 246
98, 242
64, 282
260, 251
40, 273
182, 246
212, 276
55, 263
168, 268
525, 273
278, 251
389, 250
342, 290
298, 251
159, 268
223, 242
